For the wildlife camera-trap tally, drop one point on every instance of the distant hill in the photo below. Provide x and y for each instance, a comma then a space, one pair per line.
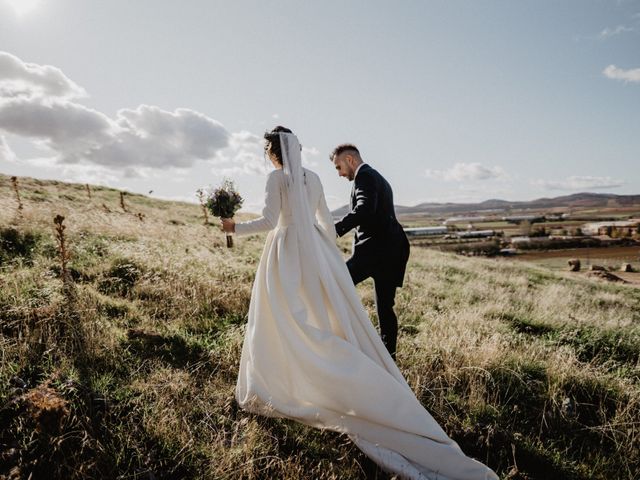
585, 199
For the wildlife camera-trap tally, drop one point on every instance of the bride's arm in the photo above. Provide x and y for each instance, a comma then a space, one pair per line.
323, 215
270, 212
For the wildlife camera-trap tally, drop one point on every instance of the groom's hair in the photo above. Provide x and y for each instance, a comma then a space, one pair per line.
344, 147
273, 142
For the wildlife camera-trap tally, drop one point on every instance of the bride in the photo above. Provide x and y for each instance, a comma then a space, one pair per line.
311, 353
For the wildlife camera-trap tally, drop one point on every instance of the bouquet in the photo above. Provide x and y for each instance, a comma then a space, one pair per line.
224, 202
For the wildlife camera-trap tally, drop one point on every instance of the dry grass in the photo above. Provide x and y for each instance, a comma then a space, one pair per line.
534, 372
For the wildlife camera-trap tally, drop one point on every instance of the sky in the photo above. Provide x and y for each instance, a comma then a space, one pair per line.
451, 101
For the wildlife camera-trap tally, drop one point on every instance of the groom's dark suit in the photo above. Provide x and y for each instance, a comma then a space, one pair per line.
380, 247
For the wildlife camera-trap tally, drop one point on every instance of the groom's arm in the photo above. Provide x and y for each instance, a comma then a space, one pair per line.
366, 203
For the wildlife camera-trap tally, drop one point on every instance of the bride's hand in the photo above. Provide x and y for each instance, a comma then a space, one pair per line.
228, 225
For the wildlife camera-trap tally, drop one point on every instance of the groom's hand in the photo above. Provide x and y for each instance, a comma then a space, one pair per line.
365, 205
228, 225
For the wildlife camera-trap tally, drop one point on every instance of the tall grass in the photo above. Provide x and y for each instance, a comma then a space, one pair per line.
534, 372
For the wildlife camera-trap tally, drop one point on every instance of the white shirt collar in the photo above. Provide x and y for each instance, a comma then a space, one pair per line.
357, 169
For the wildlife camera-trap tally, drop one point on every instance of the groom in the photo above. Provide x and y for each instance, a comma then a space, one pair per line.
380, 247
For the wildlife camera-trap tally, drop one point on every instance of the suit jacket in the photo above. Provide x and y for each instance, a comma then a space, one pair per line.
380, 242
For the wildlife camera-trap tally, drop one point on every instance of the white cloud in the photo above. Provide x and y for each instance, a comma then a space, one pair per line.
467, 171
6, 154
244, 137
578, 182
21, 79
615, 73
154, 138
308, 155
63, 126
275, 115
244, 155
39, 103
147, 137
612, 32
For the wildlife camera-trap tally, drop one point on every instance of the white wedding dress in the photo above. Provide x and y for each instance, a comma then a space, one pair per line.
310, 351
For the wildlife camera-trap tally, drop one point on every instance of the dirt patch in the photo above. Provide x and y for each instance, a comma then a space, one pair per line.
630, 277
611, 258
624, 254
46, 407
604, 275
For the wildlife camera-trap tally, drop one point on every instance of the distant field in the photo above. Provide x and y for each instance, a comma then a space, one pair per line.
578, 216
608, 256
611, 258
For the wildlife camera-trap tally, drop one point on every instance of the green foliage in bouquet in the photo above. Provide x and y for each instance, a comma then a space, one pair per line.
224, 201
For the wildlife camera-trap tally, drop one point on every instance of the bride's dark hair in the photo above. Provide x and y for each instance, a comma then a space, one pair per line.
273, 147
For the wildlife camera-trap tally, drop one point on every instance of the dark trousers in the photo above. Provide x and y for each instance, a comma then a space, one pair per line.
385, 300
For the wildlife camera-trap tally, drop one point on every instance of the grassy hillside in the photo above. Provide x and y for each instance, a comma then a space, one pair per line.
125, 367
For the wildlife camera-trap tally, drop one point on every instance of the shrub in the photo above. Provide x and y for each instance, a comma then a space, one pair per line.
120, 278
14, 243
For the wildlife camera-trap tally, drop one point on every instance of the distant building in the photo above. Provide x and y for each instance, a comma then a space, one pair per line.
627, 227
476, 234
453, 220
524, 218
520, 240
425, 231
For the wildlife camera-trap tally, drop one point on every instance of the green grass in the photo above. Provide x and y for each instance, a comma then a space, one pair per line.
533, 371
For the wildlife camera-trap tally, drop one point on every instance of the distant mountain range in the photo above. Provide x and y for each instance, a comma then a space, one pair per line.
575, 200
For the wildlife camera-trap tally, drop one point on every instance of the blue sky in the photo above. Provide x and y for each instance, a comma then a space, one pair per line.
450, 100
